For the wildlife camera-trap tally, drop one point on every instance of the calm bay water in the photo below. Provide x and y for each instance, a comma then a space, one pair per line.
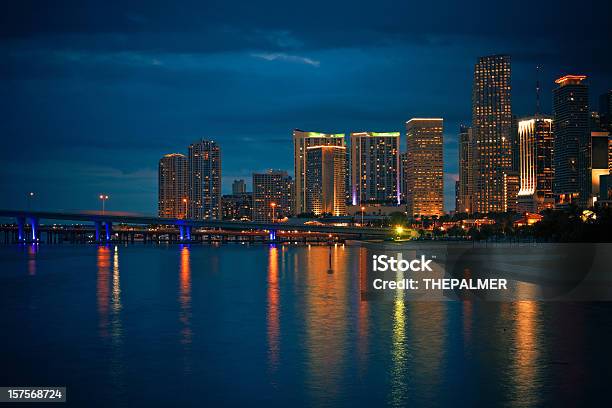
234, 325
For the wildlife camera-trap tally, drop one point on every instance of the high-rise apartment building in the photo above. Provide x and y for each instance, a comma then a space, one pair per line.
238, 187
425, 167
571, 115
403, 176
237, 207
172, 186
325, 180
600, 144
301, 141
204, 180
466, 183
605, 110
491, 130
536, 172
272, 195
375, 168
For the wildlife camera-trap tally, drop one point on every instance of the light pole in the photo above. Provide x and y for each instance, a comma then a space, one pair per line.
30, 198
362, 210
185, 213
103, 198
273, 205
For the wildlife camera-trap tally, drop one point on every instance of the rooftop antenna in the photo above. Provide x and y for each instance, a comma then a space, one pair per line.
538, 89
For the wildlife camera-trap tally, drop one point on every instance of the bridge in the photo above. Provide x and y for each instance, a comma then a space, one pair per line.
28, 226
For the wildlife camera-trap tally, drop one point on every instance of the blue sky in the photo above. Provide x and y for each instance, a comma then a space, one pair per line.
92, 94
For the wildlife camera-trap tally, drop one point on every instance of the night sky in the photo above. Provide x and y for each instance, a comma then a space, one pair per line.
92, 95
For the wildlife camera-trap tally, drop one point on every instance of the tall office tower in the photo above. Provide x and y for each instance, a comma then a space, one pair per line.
511, 190
464, 192
204, 180
301, 141
347, 176
535, 164
238, 187
325, 180
491, 130
425, 167
375, 168
403, 176
457, 202
600, 142
272, 195
605, 110
514, 137
172, 186
572, 139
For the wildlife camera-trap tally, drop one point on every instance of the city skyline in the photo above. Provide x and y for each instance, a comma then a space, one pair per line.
164, 85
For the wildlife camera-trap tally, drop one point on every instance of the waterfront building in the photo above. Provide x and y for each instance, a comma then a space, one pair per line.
172, 186
600, 142
302, 140
204, 180
325, 180
572, 180
272, 195
466, 182
403, 176
238, 187
425, 167
511, 190
237, 207
375, 168
536, 172
491, 130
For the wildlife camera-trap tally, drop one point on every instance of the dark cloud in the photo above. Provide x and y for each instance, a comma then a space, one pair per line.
111, 86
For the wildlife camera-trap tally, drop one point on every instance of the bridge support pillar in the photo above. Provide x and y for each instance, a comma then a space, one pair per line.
272, 235
20, 229
108, 226
35, 233
98, 226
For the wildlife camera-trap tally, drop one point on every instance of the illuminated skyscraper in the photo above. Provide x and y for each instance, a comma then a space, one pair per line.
301, 141
600, 143
172, 186
572, 141
375, 168
605, 110
491, 130
403, 176
325, 180
536, 172
272, 195
466, 183
204, 180
425, 167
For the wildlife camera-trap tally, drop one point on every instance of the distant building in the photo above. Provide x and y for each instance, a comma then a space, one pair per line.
237, 207
466, 182
536, 172
600, 142
425, 167
375, 168
492, 133
325, 180
605, 111
572, 179
457, 202
301, 141
511, 190
172, 186
204, 180
272, 195
238, 187
403, 176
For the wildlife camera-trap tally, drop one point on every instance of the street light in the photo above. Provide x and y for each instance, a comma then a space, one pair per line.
103, 198
30, 198
185, 213
362, 210
273, 205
